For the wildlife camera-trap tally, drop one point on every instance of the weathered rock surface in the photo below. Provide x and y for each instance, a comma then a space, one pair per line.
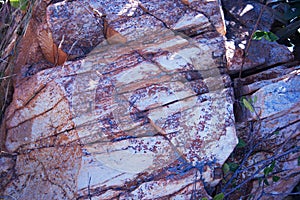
75, 26
277, 131
149, 116
271, 133
241, 17
81, 25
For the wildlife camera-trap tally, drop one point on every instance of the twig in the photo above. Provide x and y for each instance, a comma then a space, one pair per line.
249, 41
267, 162
6, 96
2, 60
261, 168
275, 153
284, 193
6, 77
194, 195
89, 189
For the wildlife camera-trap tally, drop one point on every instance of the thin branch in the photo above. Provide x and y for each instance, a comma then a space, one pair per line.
261, 168
249, 40
284, 193
6, 77
89, 188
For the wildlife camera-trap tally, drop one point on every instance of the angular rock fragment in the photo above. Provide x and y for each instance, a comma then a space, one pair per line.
75, 26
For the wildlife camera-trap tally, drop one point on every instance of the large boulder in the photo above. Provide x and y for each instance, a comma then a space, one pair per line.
147, 114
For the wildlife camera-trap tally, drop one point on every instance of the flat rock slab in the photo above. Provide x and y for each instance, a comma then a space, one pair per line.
148, 118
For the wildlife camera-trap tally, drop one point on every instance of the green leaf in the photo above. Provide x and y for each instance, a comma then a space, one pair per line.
272, 166
275, 178
276, 133
219, 196
272, 37
241, 143
226, 168
14, 3
299, 161
267, 37
248, 105
234, 184
255, 99
266, 182
259, 181
258, 35
267, 171
204, 198
21, 4
233, 166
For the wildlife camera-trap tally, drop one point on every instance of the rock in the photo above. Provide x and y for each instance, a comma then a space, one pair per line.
7, 162
276, 139
241, 17
81, 25
274, 90
269, 135
261, 55
75, 26
277, 106
271, 132
246, 13
278, 97
146, 114
36, 50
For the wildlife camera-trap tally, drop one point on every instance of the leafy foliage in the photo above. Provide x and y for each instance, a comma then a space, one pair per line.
230, 166
21, 4
276, 133
275, 178
248, 103
225, 168
258, 35
269, 169
219, 196
241, 143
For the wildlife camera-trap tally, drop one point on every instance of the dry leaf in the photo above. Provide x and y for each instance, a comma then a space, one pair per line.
61, 56
113, 36
186, 2
50, 50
